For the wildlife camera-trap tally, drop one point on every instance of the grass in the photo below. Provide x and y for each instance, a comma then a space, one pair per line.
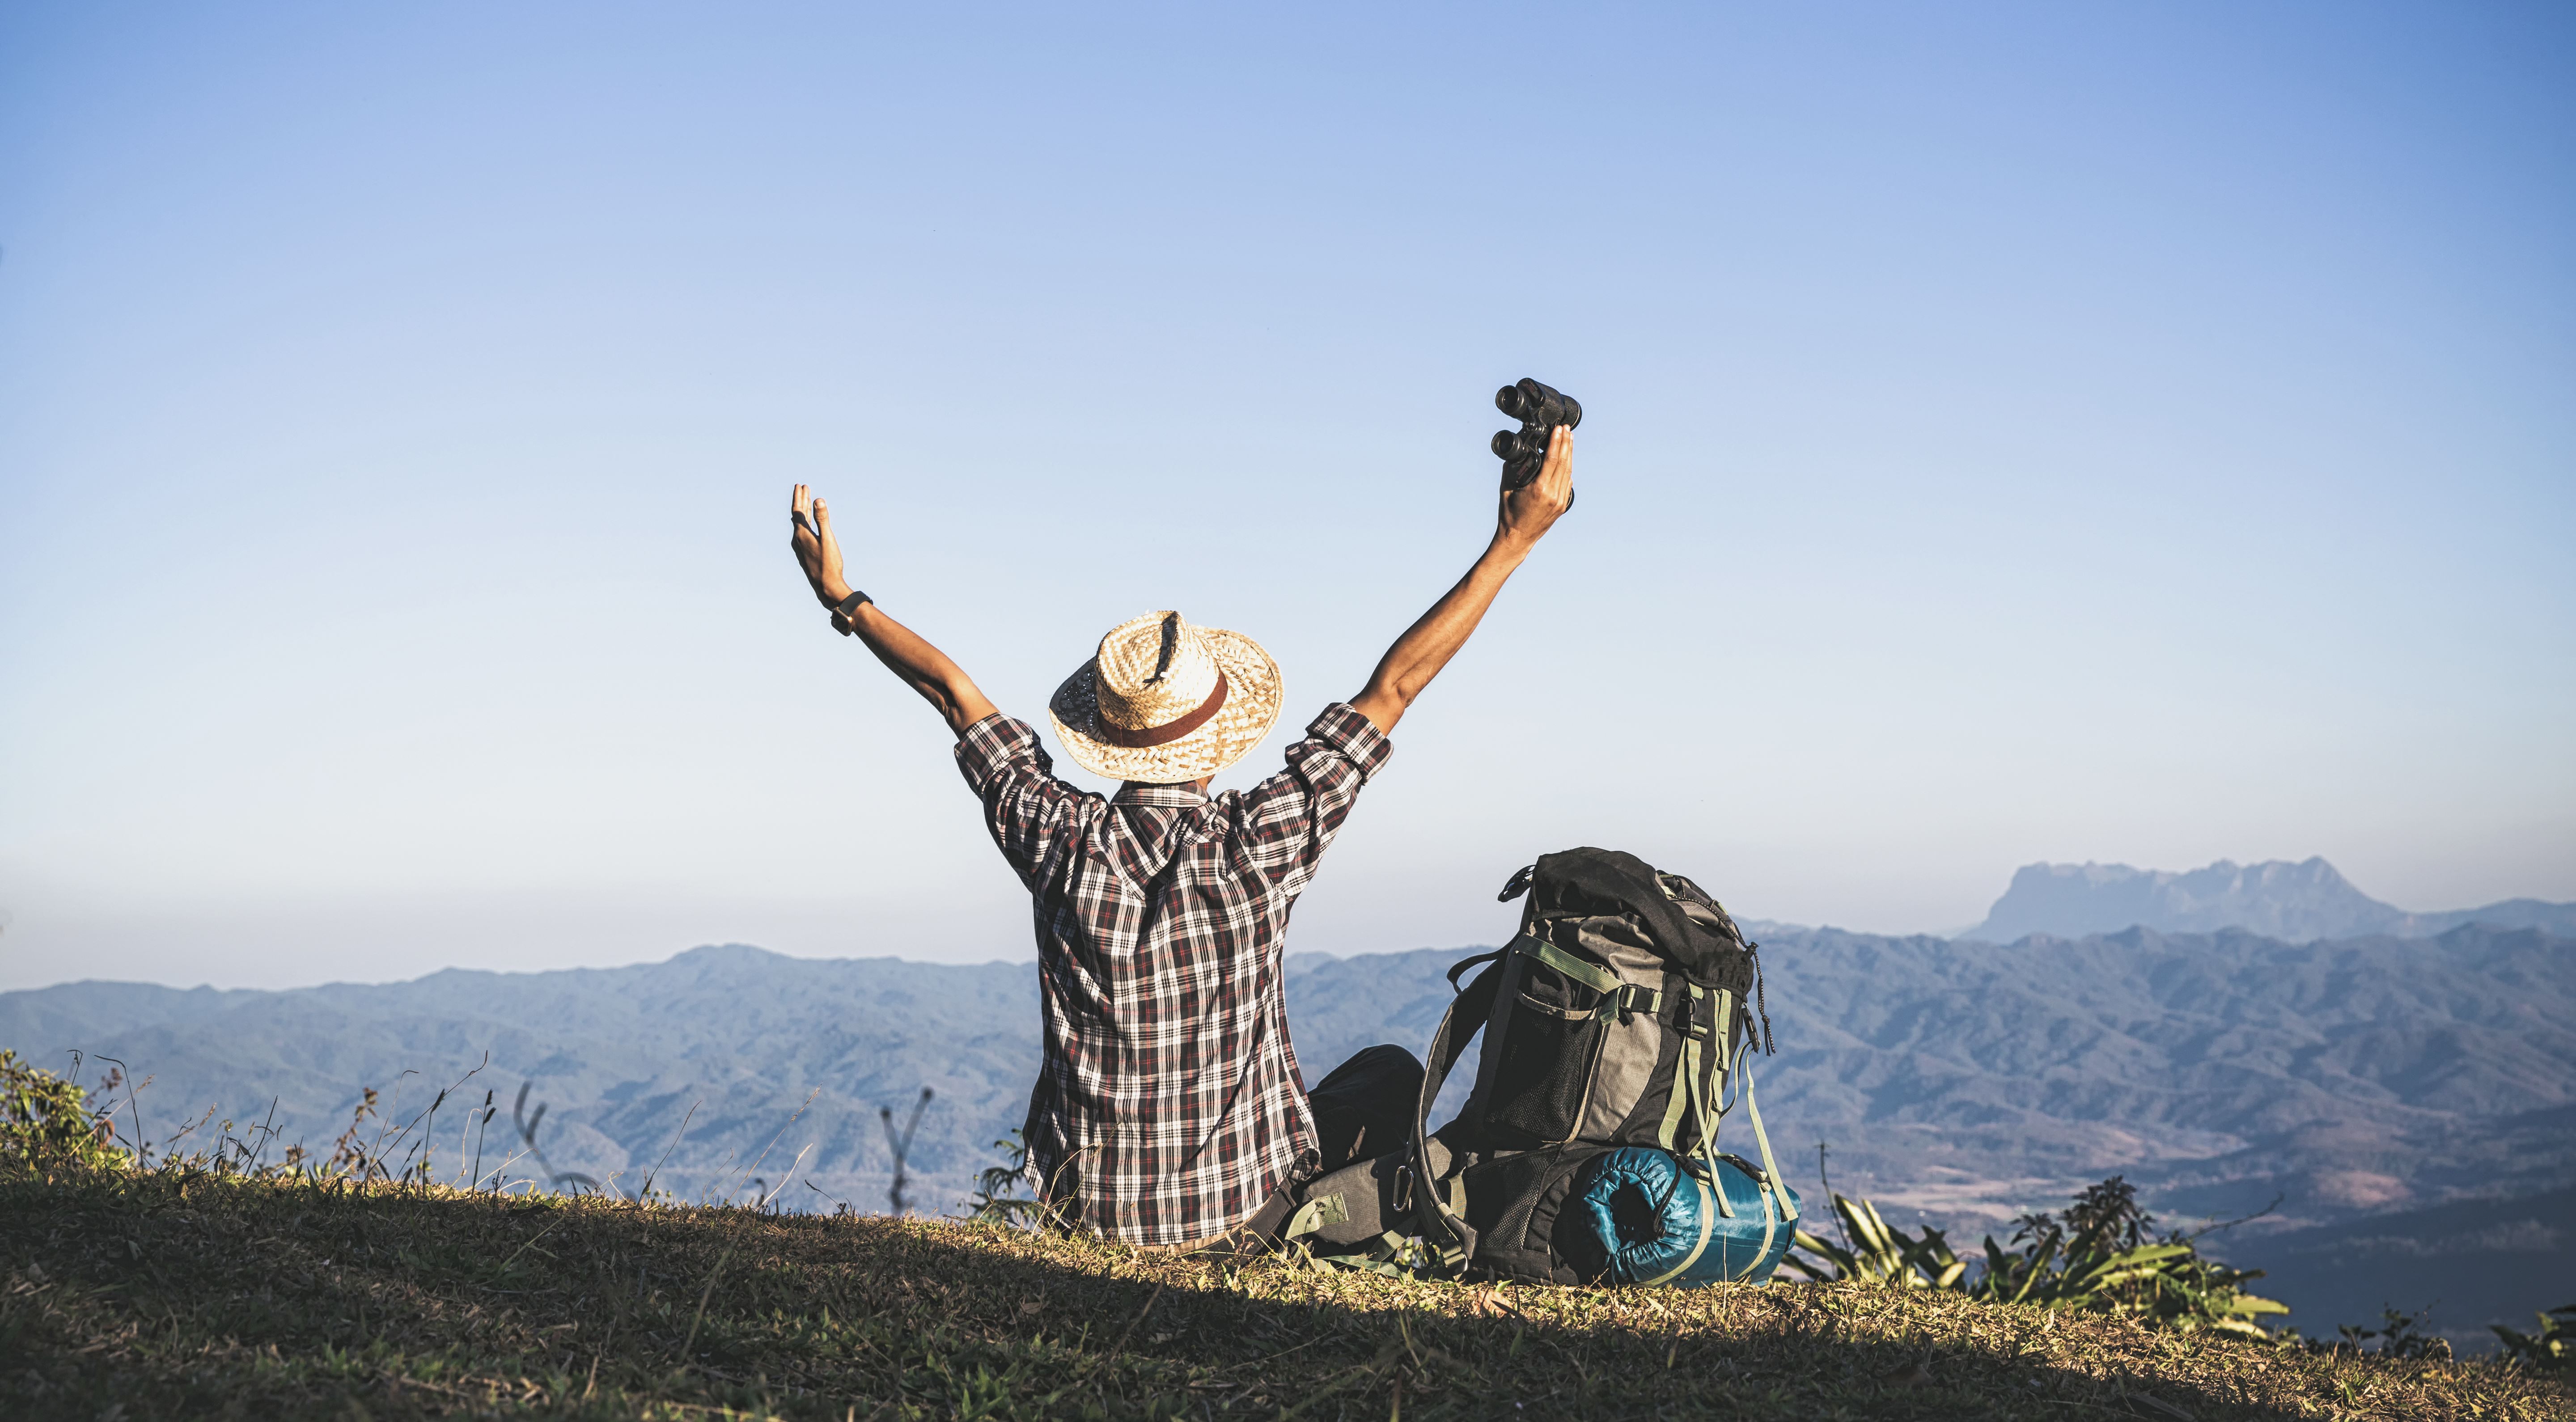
169, 1294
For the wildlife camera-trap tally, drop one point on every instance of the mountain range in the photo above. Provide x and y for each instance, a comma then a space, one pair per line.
2298, 902
1956, 1081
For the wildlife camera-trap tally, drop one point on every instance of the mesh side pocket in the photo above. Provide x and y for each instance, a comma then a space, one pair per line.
1515, 1203
1549, 1050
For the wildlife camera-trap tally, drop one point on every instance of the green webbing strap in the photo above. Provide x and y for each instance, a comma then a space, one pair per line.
1683, 1090
1314, 1215
1708, 1124
1599, 979
1770, 1229
1770, 1167
1725, 1027
1706, 1224
1617, 998
1390, 1254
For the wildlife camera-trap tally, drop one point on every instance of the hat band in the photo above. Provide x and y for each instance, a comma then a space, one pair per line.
1164, 734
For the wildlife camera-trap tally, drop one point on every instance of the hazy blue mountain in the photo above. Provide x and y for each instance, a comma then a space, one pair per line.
2296, 902
618, 1056
1962, 1081
2559, 919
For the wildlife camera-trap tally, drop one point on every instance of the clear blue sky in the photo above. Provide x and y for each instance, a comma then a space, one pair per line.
2017, 432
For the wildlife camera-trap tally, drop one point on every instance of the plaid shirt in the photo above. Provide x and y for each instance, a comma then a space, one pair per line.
1168, 1104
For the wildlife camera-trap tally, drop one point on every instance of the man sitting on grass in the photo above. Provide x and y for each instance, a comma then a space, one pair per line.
1168, 1109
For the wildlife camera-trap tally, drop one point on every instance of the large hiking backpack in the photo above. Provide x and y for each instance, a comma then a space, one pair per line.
1617, 1024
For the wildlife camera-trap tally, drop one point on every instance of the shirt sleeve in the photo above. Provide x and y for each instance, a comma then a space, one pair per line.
1030, 813
1284, 824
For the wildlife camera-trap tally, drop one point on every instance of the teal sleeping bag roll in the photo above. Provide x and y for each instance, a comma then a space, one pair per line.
1644, 1216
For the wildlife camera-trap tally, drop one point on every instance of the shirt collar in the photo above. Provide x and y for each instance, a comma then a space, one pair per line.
1177, 797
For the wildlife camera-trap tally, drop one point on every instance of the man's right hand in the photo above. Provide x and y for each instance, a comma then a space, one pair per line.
1529, 511
1525, 516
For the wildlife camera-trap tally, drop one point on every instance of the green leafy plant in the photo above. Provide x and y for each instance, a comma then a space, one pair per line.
997, 1198
2551, 1349
1879, 1252
2099, 1257
47, 1124
2399, 1335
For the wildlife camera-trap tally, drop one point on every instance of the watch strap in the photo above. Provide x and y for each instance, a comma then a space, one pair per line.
842, 610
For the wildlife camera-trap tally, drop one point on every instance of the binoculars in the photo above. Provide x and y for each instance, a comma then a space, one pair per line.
1540, 409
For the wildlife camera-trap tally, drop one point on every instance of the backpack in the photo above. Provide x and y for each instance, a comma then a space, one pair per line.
1615, 1024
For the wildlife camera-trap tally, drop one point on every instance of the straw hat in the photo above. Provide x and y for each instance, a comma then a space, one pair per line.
1165, 701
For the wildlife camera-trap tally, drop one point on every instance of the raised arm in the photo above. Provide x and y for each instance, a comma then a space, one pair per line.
1524, 518
922, 666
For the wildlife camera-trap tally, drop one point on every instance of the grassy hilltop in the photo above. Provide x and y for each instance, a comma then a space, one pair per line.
168, 1293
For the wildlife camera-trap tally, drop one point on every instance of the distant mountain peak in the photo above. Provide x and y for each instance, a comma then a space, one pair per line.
722, 959
725, 953
2298, 901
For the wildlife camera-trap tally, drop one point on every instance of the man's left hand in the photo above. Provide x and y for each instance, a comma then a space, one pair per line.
817, 551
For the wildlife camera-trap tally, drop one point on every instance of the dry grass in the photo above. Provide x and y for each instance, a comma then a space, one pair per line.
153, 1295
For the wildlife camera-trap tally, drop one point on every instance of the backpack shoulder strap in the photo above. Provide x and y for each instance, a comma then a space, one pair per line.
1458, 1026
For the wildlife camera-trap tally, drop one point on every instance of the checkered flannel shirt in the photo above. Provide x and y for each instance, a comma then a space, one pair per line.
1168, 1104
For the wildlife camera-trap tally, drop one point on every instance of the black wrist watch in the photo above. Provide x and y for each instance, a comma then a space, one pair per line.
841, 610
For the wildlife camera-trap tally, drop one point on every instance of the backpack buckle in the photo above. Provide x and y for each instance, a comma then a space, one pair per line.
1626, 1001
1699, 1016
